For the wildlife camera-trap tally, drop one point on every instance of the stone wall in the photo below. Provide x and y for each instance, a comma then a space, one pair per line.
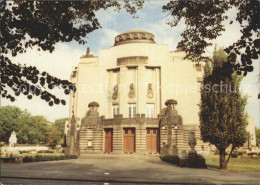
92, 140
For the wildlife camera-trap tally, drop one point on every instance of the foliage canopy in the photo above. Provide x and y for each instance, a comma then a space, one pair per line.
30, 129
205, 21
223, 119
42, 24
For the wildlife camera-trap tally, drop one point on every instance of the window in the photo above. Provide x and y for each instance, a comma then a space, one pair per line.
115, 109
150, 110
132, 110
89, 143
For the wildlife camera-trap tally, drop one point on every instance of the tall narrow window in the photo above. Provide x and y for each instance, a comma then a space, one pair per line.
132, 110
115, 110
150, 110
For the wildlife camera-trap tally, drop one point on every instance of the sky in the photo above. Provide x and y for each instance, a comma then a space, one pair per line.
151, 18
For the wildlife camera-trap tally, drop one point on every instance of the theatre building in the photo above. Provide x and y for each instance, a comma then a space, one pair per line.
121, 106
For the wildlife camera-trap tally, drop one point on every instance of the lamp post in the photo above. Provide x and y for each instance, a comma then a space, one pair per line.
176, 134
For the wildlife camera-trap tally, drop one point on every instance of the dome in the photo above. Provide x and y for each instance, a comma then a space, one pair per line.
134, 36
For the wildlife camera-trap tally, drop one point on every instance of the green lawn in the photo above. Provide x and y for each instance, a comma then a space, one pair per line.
235, 164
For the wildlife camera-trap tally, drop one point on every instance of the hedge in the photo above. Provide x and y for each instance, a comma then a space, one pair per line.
27, 151
171, 159
47, 158
234, 155
45, 151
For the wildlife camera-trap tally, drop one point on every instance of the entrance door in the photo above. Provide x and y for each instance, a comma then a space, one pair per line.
152, 140
129, 140
108, 140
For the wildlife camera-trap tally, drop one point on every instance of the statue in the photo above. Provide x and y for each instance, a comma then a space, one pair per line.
192, 141
171, 104
171, 113
12, 139
115, 93
88, 54
91, 118
93, 106
88, 51
131, 93
150, 91
12, 152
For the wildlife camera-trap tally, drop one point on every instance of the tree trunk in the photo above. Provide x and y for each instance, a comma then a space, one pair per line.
222, 160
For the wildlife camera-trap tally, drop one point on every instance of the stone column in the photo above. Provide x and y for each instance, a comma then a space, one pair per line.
123, 92
141, 90
157, 92
110, 87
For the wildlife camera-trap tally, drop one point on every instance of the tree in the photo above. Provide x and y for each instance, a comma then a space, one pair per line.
53, 138
11, 120
56, 132
29, 129
42, 24
222, 114
37, 132
205, 21
257, 133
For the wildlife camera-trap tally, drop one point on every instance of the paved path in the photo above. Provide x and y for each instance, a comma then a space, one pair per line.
98, 170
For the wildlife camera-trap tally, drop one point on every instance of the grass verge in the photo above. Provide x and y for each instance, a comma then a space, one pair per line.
235, 164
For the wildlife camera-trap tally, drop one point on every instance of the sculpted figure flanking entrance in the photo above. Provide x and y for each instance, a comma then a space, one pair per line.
172, 121
91, 119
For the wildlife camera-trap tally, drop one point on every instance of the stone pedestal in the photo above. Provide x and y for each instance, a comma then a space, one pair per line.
192, 160
174, 150
192, 154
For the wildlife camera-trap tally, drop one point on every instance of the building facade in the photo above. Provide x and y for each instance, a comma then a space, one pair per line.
120, 105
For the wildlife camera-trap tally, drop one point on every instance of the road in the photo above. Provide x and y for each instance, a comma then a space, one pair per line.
117, 170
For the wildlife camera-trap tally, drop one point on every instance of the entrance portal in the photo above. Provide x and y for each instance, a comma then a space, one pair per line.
108, 140
152, 140
129, 140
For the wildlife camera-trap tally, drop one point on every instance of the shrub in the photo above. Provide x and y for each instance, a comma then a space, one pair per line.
45, 151
252, 153
234, 155
47, 158
24, 151
216, 152
27, 151
28, 159
171, 159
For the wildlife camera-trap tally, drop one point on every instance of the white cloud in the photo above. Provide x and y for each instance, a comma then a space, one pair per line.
164, 34
59, 63
108, 36
229, 36
106, 16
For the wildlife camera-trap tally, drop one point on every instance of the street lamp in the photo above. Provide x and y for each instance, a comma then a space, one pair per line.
176, 134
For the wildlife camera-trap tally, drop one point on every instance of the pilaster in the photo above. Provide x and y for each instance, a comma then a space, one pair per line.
141, 91
123, 91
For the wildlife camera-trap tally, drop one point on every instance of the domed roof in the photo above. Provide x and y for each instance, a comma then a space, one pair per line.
134, 36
